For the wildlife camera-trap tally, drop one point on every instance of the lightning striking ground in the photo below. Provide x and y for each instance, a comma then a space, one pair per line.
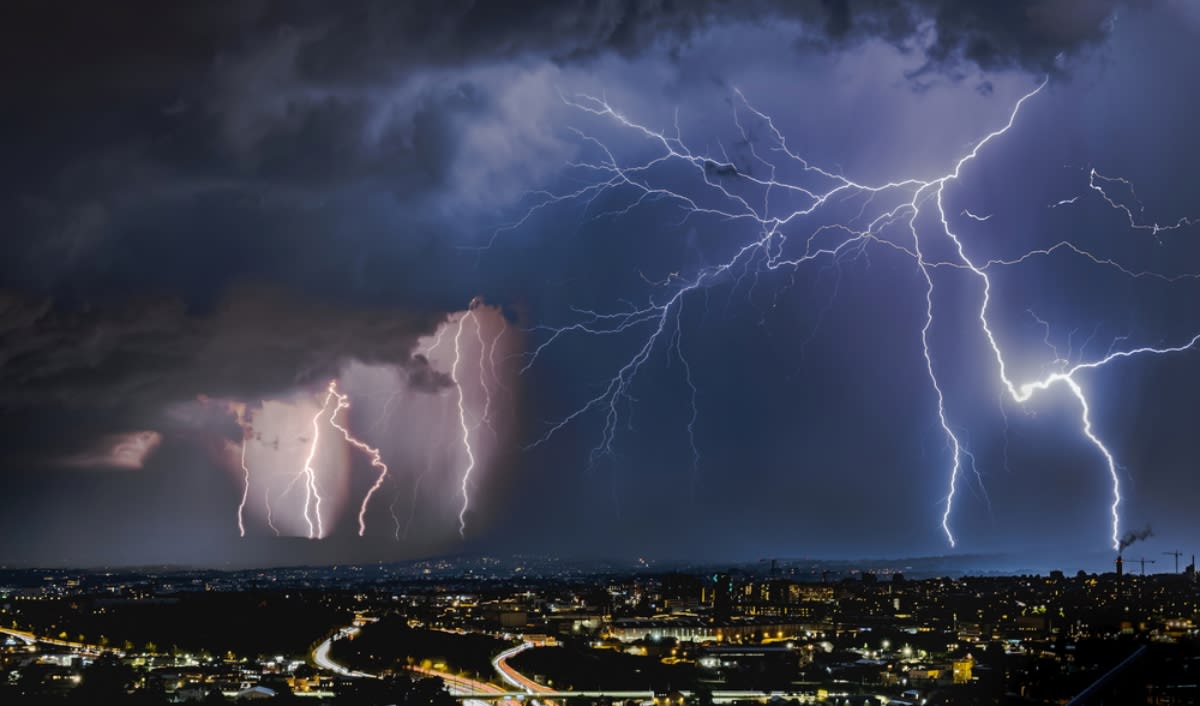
462, 419
486, 416
245, 491
476, 408
312, 495
308, 474
659, 319
343, 402
267, 503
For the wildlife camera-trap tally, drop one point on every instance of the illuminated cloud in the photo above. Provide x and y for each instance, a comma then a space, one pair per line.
442, 422
128, 450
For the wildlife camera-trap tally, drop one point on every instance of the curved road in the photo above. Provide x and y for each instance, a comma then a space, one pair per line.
30, 638
321, 657
511, 676
456, 685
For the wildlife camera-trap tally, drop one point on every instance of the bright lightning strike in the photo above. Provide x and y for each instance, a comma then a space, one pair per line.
473, 355
486, 417
241, 511
462, 418
659, 319
343, 402
312, 495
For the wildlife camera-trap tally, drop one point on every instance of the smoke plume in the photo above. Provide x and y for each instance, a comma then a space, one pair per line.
1135, 535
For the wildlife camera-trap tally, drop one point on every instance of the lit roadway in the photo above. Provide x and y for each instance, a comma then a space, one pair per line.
466, 689
514, 678
30, 638
642, 696
472, 691
530, 687
321, 658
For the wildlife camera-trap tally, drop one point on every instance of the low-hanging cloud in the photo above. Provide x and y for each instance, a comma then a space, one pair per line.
256, 343
127, 450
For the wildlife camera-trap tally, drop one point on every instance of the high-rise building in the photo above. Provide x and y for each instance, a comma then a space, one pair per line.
718, 595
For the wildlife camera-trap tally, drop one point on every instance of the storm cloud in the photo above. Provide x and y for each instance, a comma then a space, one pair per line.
270, 120
148, 353
240, 201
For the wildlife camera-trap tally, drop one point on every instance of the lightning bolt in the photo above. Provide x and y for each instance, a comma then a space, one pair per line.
392, 512
677, 345
1096, 182
267, 502
343, 402
462, 419
486, 417
1045, 326
336, 401
312, 495
488, 376
437, 342
245, 491
775, 248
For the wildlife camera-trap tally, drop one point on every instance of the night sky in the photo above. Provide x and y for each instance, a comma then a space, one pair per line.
211, 211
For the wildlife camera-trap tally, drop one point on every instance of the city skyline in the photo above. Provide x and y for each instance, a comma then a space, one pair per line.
719, 282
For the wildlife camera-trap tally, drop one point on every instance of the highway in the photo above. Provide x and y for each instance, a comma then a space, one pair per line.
27, 637
511, 676
643, 696
546, 695
471, 691
514, 678
30, 638
320, 656
479, 693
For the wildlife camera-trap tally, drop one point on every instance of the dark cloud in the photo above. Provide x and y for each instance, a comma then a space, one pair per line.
1034, 34
285, 108
145, 45
422, 376
374, 39
148, 353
